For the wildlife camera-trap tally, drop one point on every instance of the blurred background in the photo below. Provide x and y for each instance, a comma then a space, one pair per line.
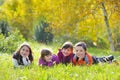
96, 22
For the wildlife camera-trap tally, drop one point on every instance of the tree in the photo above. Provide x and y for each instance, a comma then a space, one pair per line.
108, 27
18, 14
40, 33
4, 28
72, 18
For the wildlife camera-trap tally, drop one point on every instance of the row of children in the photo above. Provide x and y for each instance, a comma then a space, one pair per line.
23, 56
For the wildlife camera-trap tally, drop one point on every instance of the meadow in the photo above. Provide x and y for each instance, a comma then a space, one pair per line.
59, 72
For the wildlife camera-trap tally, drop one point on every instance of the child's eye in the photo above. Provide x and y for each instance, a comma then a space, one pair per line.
76, 50
26, 50
47, 55
23, 49
81, 50
67, 49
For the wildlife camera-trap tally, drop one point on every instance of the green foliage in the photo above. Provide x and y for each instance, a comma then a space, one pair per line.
40, 33
87, 40
10, 43
58, 72
116, 35
1, 2
4, 28
76, 18
102, 43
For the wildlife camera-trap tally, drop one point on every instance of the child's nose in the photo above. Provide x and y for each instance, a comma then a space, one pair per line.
24, 52
65, 51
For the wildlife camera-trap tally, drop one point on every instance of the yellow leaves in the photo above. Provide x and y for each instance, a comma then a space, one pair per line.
74, 17
99, 1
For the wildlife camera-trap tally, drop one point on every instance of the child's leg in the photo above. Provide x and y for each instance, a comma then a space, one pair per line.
95, 60
108, 59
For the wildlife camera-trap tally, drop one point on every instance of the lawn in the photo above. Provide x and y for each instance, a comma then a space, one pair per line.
59, 72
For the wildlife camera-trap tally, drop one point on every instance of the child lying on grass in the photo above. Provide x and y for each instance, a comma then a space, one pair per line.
47, 58
65, 54
82, 57
23, 56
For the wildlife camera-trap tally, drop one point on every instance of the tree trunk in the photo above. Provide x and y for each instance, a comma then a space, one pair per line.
108, 27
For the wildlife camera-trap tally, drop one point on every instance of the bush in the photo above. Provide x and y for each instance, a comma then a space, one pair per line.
116, 34
87, 40
102, 43
41, 35
4, 28
10, 43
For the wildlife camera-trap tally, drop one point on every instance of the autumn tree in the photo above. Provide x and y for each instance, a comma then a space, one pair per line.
76, 19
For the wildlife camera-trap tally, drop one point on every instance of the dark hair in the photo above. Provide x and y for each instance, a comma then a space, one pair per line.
82, 44
67, 45
17, 52
45, 52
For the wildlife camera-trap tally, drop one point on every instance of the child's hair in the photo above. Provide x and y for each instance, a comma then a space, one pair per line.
22, 45
67, 45
45, 52
82, 44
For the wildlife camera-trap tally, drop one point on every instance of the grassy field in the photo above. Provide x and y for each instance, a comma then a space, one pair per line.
59, 72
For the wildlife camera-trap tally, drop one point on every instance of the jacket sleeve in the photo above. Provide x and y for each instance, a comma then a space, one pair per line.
15, 63
50, 64
42, 62
55, 59
74, 60
90, 59
60, 56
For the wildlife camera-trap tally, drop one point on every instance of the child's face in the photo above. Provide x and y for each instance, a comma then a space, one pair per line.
24, 51
48, 58
80, 52
67, 52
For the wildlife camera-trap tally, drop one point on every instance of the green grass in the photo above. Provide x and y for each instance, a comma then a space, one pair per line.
58, 72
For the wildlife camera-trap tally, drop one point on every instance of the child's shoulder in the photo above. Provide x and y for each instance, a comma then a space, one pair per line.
41, 61
15, 55
73, 54
54, 56
88, 54
59, 52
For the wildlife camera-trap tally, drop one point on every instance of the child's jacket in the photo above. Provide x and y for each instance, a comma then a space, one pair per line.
19, 60
87, 60
55, 60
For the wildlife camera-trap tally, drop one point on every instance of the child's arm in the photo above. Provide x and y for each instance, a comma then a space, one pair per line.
28, 60
41, 62
60, 56
50, 64
55, 59
15, 63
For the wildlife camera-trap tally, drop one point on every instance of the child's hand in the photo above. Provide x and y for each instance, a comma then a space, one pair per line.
49, 60
80, 58
54, 62
27, 57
